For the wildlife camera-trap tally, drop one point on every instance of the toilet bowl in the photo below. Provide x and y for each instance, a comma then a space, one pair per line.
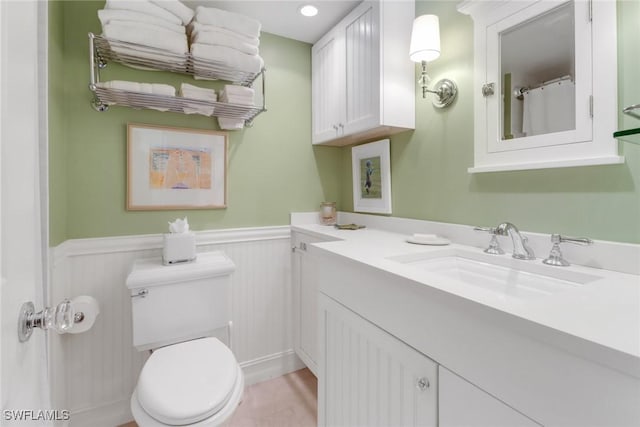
196, 383
191, 378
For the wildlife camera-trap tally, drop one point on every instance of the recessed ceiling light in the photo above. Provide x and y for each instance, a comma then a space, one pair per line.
308, 10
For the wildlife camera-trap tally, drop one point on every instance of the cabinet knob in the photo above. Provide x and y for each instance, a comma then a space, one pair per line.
422, 384
488, 89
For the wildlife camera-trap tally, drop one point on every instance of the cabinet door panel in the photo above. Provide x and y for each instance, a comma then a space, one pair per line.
463, 404
368, 377
309, 309
305, 305
362, 48
327, 57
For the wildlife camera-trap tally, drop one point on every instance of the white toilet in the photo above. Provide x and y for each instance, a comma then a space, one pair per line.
191, 378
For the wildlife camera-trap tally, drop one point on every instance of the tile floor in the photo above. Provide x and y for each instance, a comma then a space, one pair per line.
287, 401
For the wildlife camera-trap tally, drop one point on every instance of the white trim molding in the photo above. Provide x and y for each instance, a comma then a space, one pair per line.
102, 245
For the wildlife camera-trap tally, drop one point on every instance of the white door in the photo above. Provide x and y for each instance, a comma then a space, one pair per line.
23, 366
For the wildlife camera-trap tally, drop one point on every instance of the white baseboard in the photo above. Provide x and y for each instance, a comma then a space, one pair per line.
109, 415
117, 413
272, 366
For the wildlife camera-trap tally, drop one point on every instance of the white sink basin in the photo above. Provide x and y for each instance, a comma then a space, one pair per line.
498, 274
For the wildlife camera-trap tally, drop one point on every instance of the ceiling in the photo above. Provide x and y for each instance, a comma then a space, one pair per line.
281, 17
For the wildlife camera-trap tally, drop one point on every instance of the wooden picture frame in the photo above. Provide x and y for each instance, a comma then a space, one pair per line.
372, 177
175, 168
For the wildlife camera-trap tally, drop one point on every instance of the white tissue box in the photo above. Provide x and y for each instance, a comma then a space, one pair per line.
178, 247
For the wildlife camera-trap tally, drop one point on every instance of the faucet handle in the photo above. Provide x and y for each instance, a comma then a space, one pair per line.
490, 230
555, 257
494, 246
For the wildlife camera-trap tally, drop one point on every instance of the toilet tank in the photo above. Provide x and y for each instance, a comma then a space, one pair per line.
175, 303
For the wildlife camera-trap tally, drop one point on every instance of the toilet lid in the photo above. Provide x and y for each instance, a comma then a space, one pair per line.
187, 382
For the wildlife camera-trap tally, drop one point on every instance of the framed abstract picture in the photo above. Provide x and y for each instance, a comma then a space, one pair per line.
174, 168
371, 177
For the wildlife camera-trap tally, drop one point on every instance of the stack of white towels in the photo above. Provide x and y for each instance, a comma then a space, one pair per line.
198, 94
227, 38
235, 95
156, 23
150, 88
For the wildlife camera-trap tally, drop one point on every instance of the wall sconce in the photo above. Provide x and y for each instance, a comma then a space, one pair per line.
425, 46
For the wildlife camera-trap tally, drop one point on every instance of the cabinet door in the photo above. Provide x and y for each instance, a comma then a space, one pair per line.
327, 57
305, 299
362, 53
368, 377
463, 404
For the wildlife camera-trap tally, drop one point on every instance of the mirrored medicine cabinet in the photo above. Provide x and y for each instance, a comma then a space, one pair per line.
544, 83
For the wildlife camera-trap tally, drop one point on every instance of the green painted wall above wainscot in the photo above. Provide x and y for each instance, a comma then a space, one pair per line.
429, 165
274, 170
272, 167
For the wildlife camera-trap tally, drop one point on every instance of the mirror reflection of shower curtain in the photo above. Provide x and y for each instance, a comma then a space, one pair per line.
549, 108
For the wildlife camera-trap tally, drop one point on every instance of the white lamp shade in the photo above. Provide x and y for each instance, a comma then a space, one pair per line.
425, 39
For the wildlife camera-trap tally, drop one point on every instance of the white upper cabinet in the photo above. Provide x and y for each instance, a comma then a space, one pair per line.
363, 83
544, 84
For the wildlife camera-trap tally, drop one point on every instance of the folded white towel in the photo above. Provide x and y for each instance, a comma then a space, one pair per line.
230, 124
163, 89
229, 57
120, 85
155, 88
229, 20
196, 92
119, 15
241, 91
143, 6
195, 27
152, 88
177, 8
242, 100
215, 37
132, 57
147, 35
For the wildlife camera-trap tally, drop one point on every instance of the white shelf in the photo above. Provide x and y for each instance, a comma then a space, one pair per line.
103, 50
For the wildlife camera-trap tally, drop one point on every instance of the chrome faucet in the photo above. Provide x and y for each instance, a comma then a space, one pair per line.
520, 248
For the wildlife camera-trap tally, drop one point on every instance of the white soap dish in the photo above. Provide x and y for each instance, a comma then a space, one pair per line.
428, 239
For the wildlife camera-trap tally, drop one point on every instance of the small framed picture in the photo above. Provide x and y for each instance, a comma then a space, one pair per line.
371, 177
174, 168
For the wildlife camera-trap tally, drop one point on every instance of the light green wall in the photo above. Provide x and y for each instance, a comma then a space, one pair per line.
429, 165
272, 167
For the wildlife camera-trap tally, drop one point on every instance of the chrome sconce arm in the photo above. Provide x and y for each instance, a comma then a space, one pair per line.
445, 90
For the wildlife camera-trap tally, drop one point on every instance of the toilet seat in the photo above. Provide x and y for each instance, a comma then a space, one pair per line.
194, 383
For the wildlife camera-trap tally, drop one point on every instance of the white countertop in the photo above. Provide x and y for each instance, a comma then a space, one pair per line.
603, 315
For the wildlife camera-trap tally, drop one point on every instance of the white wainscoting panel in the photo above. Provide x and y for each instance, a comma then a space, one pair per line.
96, 371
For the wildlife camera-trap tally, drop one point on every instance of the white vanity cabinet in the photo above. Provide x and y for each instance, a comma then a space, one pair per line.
460, 403
381, 332
305, 299
363, 83
370, 377
544, 83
